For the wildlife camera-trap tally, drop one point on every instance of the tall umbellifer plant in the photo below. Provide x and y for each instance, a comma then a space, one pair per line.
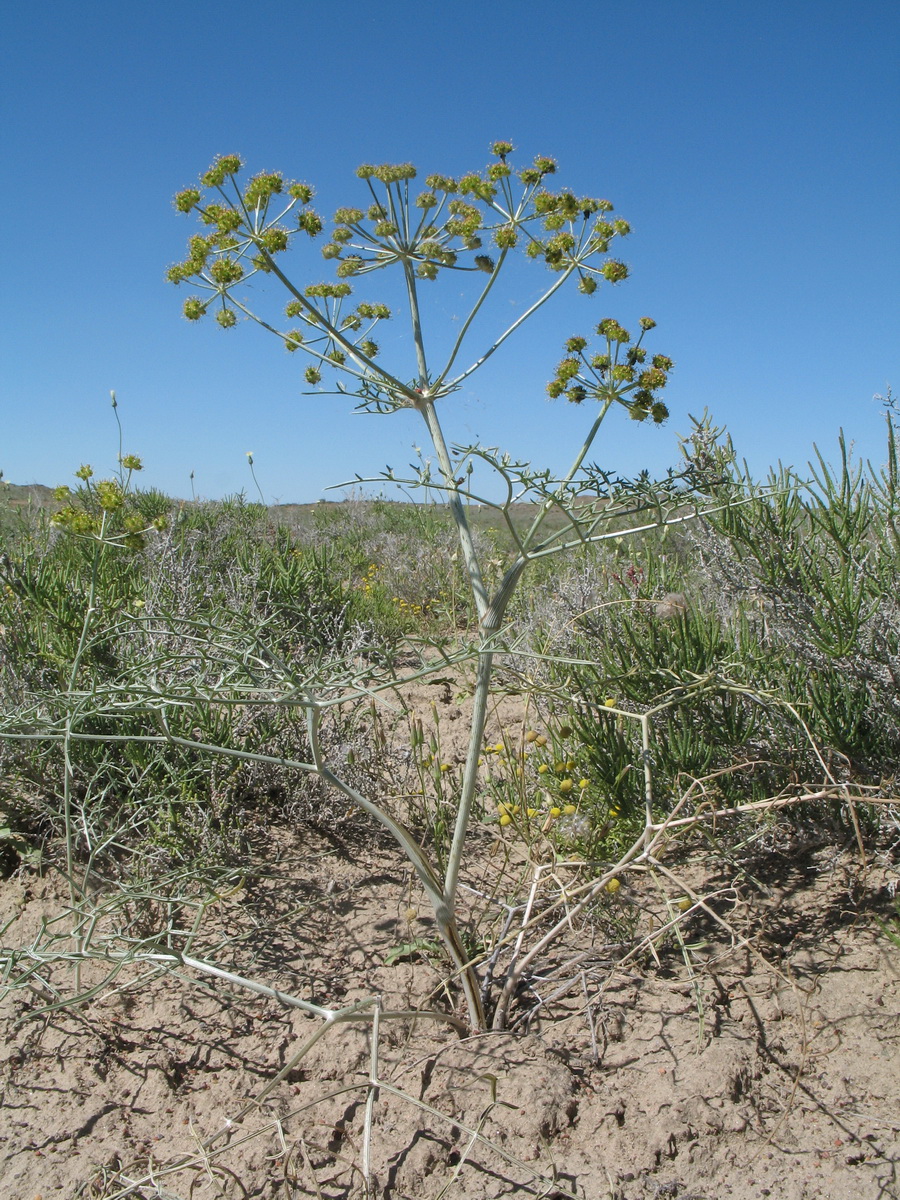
474, 225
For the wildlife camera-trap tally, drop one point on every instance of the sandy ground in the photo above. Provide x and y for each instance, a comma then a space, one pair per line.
756, 1055
735, 1078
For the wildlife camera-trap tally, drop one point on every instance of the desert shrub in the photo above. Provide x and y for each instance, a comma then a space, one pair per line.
766, 643
196, 590
399, 561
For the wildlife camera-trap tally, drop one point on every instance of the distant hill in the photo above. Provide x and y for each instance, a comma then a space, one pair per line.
27, 495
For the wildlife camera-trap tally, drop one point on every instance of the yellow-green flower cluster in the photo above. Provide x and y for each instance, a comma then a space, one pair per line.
236, 228
553, 792
370, 587
406, 607
101, 508
619, 374
368, 580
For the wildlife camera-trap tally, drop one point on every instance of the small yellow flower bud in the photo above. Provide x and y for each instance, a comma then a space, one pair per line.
543, 769
531, 736
506, 819
566, 785
555, 812
569, 809
584, 783
613, 886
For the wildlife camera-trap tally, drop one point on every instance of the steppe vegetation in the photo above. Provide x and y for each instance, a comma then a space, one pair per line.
575, 728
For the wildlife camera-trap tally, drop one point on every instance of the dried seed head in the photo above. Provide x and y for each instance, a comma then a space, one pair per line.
673, 604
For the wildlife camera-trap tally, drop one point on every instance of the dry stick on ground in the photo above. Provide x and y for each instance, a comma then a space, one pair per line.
208, 1151
642, 851
634, 859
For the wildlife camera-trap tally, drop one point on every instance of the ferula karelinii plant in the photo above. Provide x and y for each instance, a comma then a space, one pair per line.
469, 224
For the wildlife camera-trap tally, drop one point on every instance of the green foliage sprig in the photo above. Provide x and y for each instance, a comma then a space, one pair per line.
621, 375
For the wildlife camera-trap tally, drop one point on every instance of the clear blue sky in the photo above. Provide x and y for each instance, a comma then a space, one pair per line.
752, 146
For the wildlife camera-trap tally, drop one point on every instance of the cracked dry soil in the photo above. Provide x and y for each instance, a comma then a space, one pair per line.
769, 1069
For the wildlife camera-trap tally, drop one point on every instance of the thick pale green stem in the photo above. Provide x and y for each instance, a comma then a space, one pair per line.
413, 297
457, 508
443, 913
470, 776
485, 657
427, 409
445, 908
